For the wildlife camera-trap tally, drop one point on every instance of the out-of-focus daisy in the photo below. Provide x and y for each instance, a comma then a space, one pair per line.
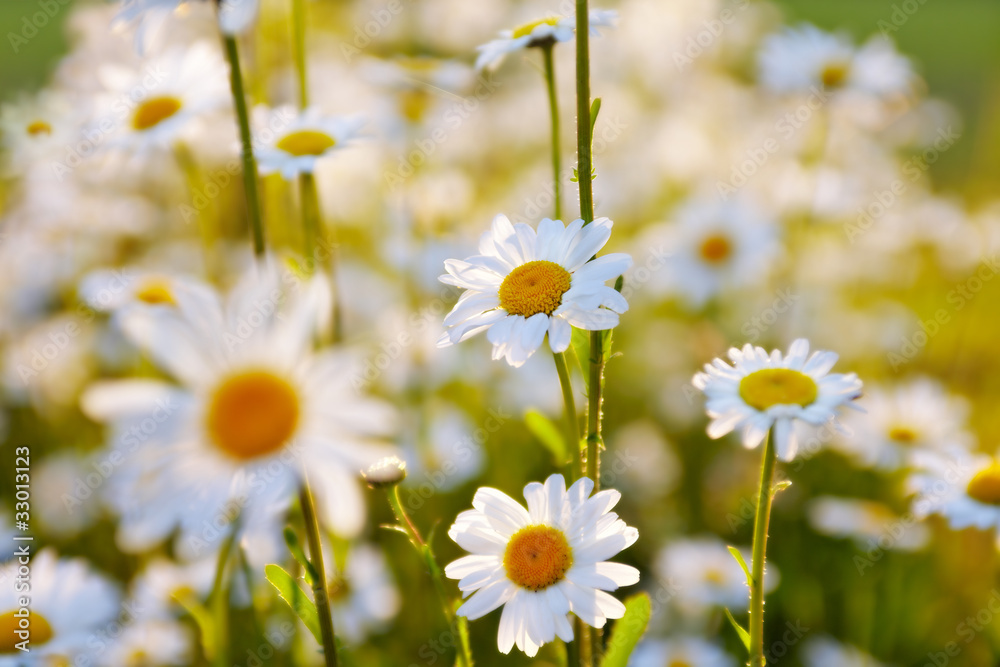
291, 143
150, 642
155, 106
114, 290
965, 490
714, 246
526, 284
418, 85
544, 562
707, 575
920, 415
69, 603
254, 409
148, 16
870, 524
762, 390
680, 652
827, 652
364, 597
37, 128
58, 506
540, 32
805, 58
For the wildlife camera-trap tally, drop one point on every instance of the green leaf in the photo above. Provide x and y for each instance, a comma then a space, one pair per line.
739, 559
291, 592
780, 486
595, 108
203, 618
292, 540
628, 631
547, 433
744, 635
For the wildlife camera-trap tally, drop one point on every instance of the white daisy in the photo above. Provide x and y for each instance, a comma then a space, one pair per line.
363, 597
148, 642
524, 284
37, 128
805, 59
148, 16
544, 562
920, 415
714, 246
827, 652
965, 490
680, 652
761, 390
154, 106
255, 407
118, 290
69, 603
872, 525
540, 32
290, 142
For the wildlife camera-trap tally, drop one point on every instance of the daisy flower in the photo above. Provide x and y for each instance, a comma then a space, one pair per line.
38, 128
524, 284
69, 603
872, 525
680, 652
148, 16
965, 490
715, 246
118, 290
760, 391
153, 107
805, 58
253, 408
540, 32
920, 415
542, 563
150, 642
290, 142
363, 597
827, 652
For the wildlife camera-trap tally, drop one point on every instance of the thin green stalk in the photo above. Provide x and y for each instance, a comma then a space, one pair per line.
220, 600
550, 81
595, 408
299, 49
572, 425
437, 576
246, 142
320, 593
761, 521
309, 205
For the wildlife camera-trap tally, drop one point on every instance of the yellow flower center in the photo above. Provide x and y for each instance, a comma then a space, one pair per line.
716, 249
985, 486
679, 662
778, 386
40, 629
306, 142
834, 75
338, 590
527, 28
715, 576
156, 292
38, 127
414, 104
154, 111
534, 287
253, 414
903, 434
537, 557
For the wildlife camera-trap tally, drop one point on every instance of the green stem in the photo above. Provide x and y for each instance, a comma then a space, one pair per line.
572, 426
319, 586
761, 521
584, 139
299, 49
220, 600
309, 204
246, 142
550, 81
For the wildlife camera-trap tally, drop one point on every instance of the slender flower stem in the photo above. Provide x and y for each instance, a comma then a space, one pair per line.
550, 81
319, 586
437, 576
309, 205
220, 600
595, 408
246, 142
572, 426
761, 521
299, 49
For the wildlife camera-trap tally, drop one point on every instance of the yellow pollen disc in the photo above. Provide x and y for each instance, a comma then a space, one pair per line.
154, 111
414, 104
985, 486
40, 629
903, 434
535, 287
537, 557
252, 414
306, 142
778, 386
38, 127
834, 75
525, 30
716, 249
156, 293
679, 662
714, 576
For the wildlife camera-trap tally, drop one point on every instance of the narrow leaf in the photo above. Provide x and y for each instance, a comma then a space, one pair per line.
291, 592
595, 108
547, 433
203, 618
628, 631
744, 635
292, 540
739, 559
